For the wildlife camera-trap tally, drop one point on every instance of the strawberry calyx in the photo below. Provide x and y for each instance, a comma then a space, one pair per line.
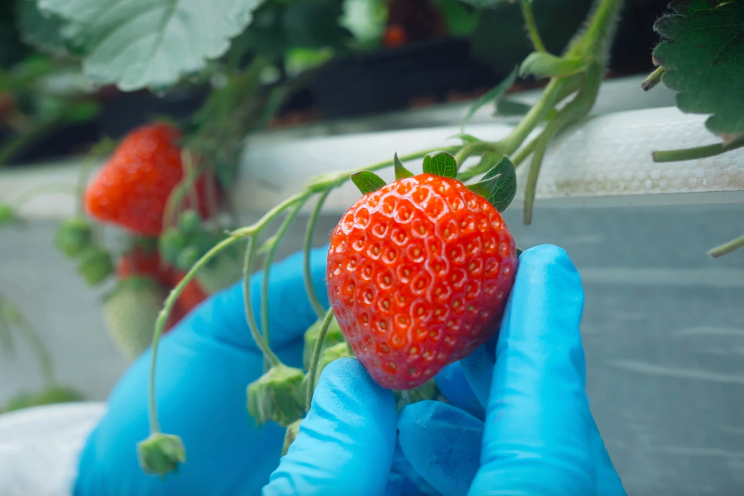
73, 236
161, 453
293, 430
276, 396
333, 337
95, 265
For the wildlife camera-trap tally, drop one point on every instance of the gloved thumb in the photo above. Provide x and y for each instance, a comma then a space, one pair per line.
346, 443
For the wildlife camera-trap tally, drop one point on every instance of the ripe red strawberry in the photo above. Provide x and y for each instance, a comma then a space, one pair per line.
419, 272
133, 187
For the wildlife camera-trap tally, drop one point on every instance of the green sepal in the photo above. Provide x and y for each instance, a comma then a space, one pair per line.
440, 164
426, 391
170, 244
492, 95
547, 65
293, 430
367, 182
333, 337
95, 265
519, 251
400, 171
499, 185
277, 396
161, 453
73, 236
189, 222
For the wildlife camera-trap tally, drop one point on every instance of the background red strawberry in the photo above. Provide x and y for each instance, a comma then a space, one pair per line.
132, 188
418, 275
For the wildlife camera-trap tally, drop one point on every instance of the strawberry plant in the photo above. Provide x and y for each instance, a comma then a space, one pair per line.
419, 270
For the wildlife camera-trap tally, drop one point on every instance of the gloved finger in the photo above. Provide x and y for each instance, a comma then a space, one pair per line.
478, 371
536, 439
442, 443
607, 481
403, 479
454, 386
290, 312
346, 443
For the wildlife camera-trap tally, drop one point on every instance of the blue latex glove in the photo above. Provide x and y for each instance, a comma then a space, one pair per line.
204, 366
540, 438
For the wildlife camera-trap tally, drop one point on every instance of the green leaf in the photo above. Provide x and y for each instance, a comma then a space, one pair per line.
547, 65
499, 185
149, 43
367, 182
38, 29
492, 95
702, 58
466, 138
400, 171
440, 164
508, 108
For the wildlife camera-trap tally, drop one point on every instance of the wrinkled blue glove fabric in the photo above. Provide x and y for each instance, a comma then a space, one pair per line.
204, 366
518, 424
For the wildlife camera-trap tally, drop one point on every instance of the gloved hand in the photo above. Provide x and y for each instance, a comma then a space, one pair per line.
204, 366
540, 437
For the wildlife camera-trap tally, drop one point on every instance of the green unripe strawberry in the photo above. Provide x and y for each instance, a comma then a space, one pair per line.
161, 453
7, 215
95, 265
50, 395
130, 313
333, 337
73, 236
277, 396
224, 271
170, 244
293, 430
189, 222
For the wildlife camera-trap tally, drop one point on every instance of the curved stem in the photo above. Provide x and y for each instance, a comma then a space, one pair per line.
96, 152
313, 371
170, 301
529, 20
33, 339
727, 248
307, 274
653, 79
43, 189
263, 345
277, 238
524, 152
697, 152
190, 175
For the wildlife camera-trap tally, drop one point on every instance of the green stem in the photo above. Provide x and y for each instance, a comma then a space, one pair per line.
190, 175
698, 152
653, 79
21, 141
577, 108
170, 301
263, 344
276, 239
727, 248
97, 151
42, 189
529, 19
33, 339
307, 274
313, 370
594, 43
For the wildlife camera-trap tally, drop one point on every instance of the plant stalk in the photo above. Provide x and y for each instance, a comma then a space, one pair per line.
313, 371
529, 19
697, 152
727, 248
306, 272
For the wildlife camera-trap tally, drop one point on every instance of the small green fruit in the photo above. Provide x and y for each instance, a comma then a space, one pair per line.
73, 236
189, 222
333, 337
95, 265
276, 396
130, 313
161, 453
170, 244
